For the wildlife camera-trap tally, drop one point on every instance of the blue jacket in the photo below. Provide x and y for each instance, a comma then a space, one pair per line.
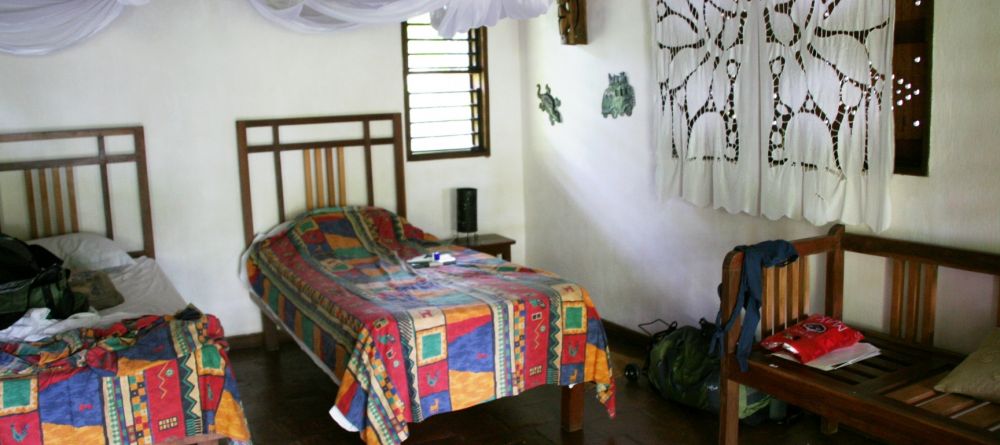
765, 254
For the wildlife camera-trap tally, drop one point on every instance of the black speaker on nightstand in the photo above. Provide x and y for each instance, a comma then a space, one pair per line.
467, 210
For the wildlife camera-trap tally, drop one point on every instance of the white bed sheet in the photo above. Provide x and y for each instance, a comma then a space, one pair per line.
143, 285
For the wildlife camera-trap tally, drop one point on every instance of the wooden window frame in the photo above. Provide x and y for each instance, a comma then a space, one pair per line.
478, 65
913, 35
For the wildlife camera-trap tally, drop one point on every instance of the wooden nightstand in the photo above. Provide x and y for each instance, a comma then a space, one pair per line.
490, 243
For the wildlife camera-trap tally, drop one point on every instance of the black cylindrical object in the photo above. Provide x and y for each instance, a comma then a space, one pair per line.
467, 210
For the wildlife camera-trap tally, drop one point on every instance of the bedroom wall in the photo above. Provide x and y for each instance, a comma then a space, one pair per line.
187, 69
593, 216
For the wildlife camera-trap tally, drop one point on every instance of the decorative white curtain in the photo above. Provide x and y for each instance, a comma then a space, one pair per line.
779, 108
37, 27
448, 16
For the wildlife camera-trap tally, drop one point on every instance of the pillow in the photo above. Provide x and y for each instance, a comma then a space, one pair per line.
97, 287
146, 290
85, 251
979, 374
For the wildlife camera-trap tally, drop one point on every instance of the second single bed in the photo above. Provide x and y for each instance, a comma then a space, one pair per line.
405, 343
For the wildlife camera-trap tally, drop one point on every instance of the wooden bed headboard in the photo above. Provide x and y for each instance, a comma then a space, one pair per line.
323, 164
51, 188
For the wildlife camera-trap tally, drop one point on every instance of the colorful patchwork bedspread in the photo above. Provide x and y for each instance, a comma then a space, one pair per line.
144, 381
410, 343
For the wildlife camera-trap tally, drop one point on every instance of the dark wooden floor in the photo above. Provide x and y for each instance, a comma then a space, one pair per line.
287, 399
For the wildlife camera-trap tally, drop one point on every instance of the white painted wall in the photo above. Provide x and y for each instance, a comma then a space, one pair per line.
188, 69
593, 216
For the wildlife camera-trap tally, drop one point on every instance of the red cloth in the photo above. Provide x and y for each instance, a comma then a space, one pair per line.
812, 338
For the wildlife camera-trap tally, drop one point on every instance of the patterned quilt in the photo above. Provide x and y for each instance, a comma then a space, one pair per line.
410, 343
143, 381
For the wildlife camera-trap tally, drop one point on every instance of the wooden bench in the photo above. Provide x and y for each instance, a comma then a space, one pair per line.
891, 396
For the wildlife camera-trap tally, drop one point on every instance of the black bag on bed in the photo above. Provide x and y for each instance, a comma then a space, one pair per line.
30, 277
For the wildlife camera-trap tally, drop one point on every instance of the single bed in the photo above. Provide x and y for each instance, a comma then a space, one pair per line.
403, 343
145, 371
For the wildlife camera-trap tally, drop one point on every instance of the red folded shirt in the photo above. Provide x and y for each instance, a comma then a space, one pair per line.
812, 338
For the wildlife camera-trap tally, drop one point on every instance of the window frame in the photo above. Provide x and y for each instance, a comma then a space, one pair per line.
478, 66
912, 154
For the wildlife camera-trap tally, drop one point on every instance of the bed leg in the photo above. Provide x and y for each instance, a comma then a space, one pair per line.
270, 333
572, 408
729, 412
827, 426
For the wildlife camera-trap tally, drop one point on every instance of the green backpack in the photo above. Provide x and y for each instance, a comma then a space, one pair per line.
32, 277
682, 369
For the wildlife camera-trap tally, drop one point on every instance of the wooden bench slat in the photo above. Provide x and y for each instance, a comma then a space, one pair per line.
849, 376
782, 311
867, 369
929, 273
767, 309
804, 290
896, 310
982, 415
948, 404
912, 294
794, 289
917, 392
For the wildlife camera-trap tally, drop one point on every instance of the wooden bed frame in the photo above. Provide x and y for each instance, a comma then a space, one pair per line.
890, 396
52, 212
325, 185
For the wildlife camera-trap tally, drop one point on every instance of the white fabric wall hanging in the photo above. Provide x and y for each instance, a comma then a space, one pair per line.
37, 27
777, 108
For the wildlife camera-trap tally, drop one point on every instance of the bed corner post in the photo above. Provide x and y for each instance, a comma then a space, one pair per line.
268, 327
572, 408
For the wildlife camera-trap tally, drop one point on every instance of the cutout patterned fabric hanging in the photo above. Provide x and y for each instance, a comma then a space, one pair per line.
777, 108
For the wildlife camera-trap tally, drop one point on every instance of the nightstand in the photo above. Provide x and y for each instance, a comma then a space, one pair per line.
490, 243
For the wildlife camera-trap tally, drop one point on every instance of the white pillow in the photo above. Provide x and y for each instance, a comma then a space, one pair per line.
85, 251
146, 290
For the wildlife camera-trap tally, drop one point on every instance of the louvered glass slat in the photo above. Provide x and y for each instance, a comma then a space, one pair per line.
427, 32
440, 100
437, 82
439, 62
438, 47
422, 130
462, 142
441, 114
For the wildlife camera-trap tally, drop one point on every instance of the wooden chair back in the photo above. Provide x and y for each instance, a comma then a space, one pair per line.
785, 294
915, 278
